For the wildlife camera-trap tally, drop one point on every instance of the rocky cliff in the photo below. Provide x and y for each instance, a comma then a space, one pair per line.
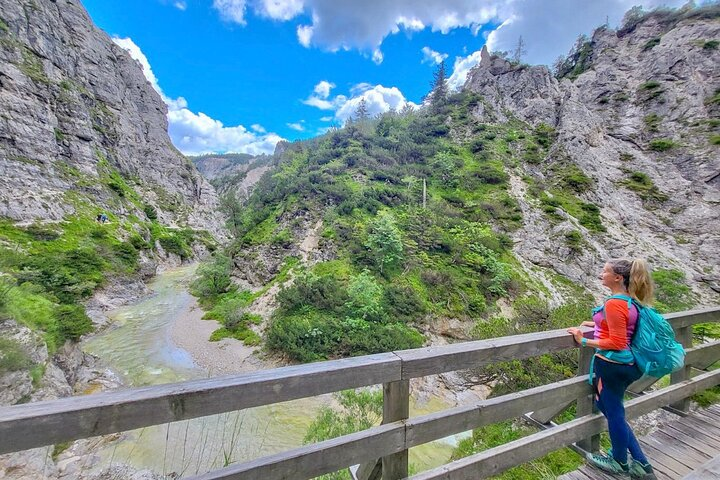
76, 110
639, 117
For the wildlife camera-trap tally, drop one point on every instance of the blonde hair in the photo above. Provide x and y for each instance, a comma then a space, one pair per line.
636, 277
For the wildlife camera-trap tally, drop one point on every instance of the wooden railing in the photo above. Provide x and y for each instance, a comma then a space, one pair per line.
49, 422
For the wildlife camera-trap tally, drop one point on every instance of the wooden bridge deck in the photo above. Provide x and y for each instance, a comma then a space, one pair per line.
686, 448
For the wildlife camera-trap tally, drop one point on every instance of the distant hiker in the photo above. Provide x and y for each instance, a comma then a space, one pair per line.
101, 218
614, 365
98, 218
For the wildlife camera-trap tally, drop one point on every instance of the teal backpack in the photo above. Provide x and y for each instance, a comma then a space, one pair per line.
653, 343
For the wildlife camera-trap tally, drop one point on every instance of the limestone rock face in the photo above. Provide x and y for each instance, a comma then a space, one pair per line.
644, 86
76, 108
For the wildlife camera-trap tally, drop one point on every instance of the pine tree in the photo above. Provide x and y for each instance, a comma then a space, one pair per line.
519, 51
361, 112
439, 92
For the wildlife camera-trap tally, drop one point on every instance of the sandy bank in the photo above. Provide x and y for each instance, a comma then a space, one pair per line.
191, 333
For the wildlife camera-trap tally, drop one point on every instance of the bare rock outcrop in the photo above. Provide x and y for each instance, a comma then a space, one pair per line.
76, 109
643, 105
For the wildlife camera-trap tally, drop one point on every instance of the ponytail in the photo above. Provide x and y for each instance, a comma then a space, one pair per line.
641, 284
636, 278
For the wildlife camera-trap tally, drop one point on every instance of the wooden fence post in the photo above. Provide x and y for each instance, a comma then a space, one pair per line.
684, 337
586, 403
396, 406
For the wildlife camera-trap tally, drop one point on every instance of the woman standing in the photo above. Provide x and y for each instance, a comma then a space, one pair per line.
614, 365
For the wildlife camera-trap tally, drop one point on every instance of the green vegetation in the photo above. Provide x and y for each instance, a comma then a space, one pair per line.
532, 314
662, 144
549, 466
714, 139
711, 45
360, 410
672, 294
641, 184
12, 356
652, 122
650, 44
715, 99
404, 255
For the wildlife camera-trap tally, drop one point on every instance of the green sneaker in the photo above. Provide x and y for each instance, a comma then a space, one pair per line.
638, 470
607, 463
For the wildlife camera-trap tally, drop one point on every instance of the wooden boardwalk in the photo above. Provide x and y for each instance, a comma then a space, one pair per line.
686, 448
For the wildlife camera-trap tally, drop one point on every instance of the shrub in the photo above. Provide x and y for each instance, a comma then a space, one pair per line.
545, 135
575, 179
711, 45
672, 293
652, 122
150, 212
653, 42
213, 277
73, 322
173, 243
649, 85
12, 356
574, 240
491, 174
661, 144
324, 293
715, 140
640, 183
591, 217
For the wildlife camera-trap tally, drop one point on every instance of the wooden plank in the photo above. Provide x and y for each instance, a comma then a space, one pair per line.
691, 317
396, 406
710, 442
498, 459
438, 425
664, 461
45, 423
313, 460
433, 360
586, 403
710, 469
684, 337
676, 451
688, 450
701, 447
704, 355
701, 427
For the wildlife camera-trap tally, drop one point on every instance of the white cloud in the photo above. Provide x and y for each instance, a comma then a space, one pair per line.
280, 9
297, 126
181, 5
196, 133
461, 68
549, 27
231, 10
432, 57
377, 56
258, 128
378, 99
305, 33
322, 89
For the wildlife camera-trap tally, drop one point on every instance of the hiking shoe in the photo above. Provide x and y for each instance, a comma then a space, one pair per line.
638, 470
607, 463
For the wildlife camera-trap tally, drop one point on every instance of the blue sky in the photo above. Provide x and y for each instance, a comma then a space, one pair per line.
238, 75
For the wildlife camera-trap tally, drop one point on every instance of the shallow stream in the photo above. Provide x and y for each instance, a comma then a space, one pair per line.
138, 347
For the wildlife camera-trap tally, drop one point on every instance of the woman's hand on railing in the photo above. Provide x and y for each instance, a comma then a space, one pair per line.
576, 333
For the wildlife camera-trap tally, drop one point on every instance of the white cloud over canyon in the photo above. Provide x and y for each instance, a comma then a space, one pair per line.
197, 133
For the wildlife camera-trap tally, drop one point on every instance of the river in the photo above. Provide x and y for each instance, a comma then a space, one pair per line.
139, 348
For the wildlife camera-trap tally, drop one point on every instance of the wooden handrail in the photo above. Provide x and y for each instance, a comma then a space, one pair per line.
44, 423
